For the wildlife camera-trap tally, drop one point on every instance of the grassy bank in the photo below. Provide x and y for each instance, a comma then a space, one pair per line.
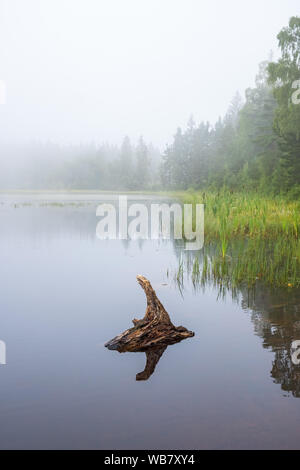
248, 238
237, 215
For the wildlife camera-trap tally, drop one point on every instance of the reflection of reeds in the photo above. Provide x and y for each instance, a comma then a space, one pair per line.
179, 274
274, 263
247, 238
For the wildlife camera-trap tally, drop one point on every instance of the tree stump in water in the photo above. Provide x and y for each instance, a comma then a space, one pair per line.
152, 334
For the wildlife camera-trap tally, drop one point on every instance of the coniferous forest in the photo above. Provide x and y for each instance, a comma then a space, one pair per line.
257, 144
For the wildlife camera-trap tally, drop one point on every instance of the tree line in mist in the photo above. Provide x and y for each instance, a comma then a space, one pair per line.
256, 146
85, 166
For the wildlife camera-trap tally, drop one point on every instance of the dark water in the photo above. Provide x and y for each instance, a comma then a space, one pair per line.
64, 293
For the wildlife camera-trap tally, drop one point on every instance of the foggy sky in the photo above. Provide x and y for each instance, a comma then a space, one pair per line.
96, 70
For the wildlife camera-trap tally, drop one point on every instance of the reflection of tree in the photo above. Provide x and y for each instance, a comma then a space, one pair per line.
276, 316
286, 373
275, 312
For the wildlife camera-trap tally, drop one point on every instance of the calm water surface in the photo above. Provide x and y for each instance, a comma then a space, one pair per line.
64, 293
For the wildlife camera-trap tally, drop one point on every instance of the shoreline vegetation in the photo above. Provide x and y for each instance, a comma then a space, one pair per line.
249, 238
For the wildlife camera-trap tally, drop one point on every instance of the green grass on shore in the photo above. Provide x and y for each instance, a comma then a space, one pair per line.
236, 215
248, 238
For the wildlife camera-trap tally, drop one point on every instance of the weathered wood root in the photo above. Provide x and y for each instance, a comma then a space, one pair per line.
154, 331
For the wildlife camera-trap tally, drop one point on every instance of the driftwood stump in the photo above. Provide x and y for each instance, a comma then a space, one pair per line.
152, 334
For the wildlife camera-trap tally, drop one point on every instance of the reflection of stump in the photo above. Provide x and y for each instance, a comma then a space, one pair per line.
154, 331
153, 355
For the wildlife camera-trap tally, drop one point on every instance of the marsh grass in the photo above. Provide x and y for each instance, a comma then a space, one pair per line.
248, 238
235, 215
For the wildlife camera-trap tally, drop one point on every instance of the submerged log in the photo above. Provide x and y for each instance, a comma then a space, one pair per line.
152, 334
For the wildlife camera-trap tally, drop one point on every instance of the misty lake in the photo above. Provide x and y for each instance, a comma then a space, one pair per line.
64, 293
